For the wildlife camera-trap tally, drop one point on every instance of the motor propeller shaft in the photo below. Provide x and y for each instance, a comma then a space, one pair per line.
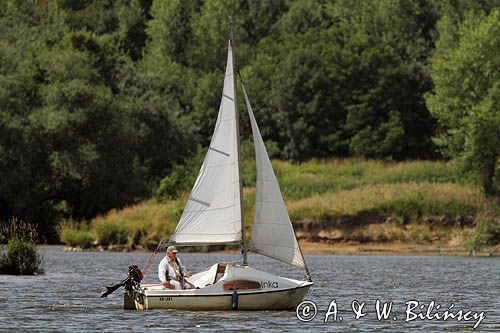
134, 276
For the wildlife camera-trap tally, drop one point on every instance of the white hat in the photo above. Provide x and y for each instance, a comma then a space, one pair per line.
172, 249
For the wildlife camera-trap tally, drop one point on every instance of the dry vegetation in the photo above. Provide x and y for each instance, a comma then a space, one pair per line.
364, 201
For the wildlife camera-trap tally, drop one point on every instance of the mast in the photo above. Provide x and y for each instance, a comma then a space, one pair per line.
243, 248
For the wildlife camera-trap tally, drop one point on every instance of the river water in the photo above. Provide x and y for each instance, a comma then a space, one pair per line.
66, 298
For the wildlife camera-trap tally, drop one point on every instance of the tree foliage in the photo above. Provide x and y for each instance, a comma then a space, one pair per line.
340, 79
100, 100
79, 132
466, 101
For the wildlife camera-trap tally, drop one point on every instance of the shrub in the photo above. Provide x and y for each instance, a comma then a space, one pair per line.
21, 257
181, 178
486, 233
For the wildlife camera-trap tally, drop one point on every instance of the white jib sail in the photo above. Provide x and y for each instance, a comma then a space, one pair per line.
272, 232
212, 214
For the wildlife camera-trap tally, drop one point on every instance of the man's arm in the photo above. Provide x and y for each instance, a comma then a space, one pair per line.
183, 269
162, 270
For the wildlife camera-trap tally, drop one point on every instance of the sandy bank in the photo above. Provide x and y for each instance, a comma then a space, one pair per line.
392, 248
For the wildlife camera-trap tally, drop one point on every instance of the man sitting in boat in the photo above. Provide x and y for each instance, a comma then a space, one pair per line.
172, 272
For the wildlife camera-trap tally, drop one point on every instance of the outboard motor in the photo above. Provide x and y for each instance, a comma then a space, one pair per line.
134, 277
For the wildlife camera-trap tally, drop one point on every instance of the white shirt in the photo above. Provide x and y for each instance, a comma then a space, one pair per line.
164, 265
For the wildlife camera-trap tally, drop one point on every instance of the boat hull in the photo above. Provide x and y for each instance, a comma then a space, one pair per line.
275, 300
273, 293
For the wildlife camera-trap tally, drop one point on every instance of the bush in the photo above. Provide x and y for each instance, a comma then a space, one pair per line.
181, 178
486, 233
21, 257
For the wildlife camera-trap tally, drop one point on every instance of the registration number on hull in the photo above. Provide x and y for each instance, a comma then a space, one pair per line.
165, 299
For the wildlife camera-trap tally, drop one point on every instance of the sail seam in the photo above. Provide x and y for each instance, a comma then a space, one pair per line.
219, 151
228, 97
211, 209
273, 245
200, 201
226, 119
216, 165
267, 222
205, 234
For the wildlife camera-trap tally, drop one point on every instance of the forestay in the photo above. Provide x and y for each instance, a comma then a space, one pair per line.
212, 214
272, 232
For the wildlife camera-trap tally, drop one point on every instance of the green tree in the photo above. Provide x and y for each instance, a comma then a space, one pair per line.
132, 17
124, 21
165, 63
81, 130
170, 30
346, 78
25, 32
466, 100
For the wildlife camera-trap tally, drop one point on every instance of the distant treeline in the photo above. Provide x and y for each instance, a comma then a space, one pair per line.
101, 99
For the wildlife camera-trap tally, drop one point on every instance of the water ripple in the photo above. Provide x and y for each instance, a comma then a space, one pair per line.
66, 298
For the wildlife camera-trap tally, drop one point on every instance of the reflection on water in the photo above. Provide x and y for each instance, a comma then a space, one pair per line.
67, 297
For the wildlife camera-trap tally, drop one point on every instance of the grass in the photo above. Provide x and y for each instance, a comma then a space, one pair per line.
142, 225
316, 177
20, 256
75, 234
420, 201
403, 199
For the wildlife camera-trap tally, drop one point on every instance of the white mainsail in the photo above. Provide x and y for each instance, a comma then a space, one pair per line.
212, 214
272, 232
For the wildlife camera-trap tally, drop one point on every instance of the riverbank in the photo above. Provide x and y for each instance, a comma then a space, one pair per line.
333, 202
348, 248
395, 248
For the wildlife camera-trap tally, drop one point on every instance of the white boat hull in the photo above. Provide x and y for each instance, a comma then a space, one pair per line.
257, 290
277, 300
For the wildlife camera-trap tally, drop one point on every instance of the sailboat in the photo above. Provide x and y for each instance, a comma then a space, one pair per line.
213, 215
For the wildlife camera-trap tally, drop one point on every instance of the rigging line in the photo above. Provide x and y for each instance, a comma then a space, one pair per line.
150, 260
